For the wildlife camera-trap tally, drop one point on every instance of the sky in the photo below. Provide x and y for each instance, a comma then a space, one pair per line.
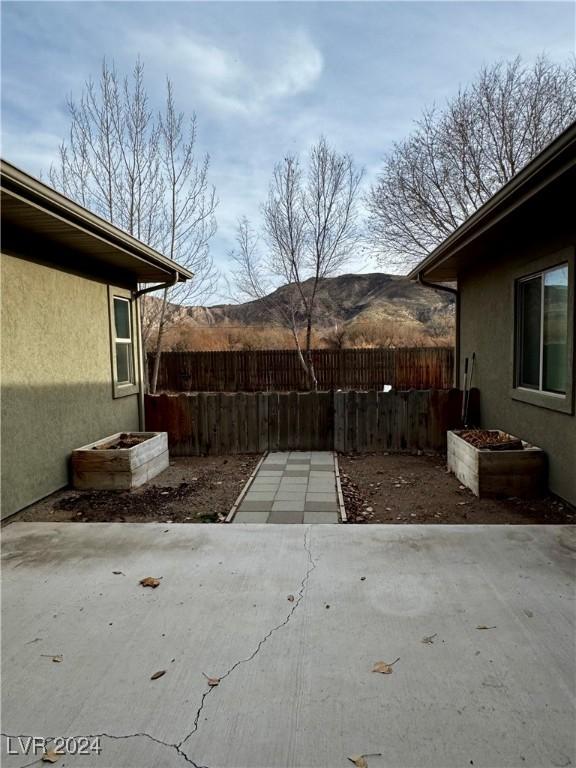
264, 78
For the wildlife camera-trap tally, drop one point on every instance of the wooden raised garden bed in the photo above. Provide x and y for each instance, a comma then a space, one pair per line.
493, 463
121, 461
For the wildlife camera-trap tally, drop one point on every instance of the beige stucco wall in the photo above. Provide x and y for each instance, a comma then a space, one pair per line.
56, 377
487, 328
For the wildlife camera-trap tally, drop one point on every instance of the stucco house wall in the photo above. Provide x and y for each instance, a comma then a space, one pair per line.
56, 376
487, 328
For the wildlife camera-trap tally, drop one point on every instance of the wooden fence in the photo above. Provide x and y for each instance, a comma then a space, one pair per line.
281, 370
220, 423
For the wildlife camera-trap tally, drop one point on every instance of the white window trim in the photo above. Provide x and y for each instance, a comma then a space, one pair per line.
123, 389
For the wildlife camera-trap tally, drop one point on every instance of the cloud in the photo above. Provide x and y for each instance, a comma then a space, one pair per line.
35, 155
229, 80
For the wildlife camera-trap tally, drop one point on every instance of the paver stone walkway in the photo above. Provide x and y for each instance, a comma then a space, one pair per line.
292, 487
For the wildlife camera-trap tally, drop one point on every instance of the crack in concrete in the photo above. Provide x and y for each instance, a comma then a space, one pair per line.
297, 601
104, 735
177, 747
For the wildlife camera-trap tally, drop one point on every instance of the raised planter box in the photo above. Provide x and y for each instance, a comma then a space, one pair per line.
492, 473
98, 465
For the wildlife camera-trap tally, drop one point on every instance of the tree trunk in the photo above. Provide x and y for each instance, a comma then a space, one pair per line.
158, 350
144, 350
309, 361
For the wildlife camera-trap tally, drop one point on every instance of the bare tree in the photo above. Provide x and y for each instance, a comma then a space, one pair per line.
459, 156
310, 230
139, 170
189, 221
336, 337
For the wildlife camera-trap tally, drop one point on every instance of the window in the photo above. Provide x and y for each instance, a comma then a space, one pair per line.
124, 346
123, 341
542, 331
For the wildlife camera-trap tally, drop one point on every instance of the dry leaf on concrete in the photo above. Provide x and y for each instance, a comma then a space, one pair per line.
359, 761
150, 581
383, 668
483, 626
290, 598
160, 673
57, 658
50, 756
212, 681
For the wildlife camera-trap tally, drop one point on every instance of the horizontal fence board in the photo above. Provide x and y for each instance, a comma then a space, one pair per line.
244, 422
280, 370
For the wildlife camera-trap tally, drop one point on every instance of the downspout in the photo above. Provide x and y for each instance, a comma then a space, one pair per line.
142, 356
141, 353
159, 287
455, 292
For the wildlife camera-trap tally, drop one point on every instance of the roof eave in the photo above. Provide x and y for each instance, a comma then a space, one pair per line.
526, 181
36, 193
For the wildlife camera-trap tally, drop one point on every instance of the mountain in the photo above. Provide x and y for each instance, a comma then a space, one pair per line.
343, 300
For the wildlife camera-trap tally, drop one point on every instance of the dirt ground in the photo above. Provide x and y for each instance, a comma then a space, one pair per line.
191, 490
402, 488
377, 488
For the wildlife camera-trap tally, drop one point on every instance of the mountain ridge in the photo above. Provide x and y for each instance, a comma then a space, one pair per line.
341, 300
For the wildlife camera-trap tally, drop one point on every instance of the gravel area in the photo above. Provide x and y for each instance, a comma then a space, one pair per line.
403, 488
191, 490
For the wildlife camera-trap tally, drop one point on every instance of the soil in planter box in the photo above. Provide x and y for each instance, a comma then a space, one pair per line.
491, 439
124, 441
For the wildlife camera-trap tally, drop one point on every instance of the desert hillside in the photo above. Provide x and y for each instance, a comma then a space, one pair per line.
352, 310
368, 298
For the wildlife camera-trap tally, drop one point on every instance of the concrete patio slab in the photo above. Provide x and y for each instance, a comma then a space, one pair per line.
296, 687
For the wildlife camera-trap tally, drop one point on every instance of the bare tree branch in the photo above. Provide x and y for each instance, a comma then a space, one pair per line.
140, 171
457, 158
310, 230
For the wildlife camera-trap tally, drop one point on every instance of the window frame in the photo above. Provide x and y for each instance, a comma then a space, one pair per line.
123, 389
541, 397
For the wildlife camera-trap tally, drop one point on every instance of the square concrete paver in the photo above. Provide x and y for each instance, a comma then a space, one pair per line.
255, 506
245, 516
321, 506
260, 495
286, 517
288, 506
296, 690
321, 517
311, 496
293, 495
